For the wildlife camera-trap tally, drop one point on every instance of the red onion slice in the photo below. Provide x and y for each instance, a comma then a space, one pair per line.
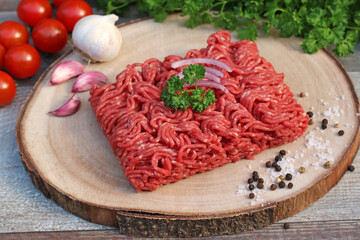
214, 62
208, 75
212, 77
86, 80
211, 84
70, 107
214, 71
66, 70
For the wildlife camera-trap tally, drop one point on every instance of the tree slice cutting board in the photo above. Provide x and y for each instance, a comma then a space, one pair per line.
71, 162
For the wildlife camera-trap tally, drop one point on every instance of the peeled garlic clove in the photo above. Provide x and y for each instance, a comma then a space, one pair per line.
97, 37
85, 81
66, 70
70, 107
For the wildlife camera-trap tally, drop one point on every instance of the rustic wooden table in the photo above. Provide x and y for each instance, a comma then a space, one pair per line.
26, 214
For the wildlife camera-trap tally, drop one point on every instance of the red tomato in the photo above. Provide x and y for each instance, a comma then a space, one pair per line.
58, 2
7, 88
69, 12
50, 35
2, 53
22, 61
33, 11
12, 33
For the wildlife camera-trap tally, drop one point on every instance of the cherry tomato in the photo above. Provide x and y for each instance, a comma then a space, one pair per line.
58, 2
7, 88
2, 53
12, 33
50, 35
22, 61
69, 12
33, 11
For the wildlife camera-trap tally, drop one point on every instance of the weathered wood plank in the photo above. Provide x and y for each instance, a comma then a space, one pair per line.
8, 5
298, 230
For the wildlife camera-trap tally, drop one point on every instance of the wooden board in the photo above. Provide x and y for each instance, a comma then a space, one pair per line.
70, 161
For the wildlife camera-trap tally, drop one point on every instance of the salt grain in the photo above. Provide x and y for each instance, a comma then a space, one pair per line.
332, 112
306, 163
315, 164
241, 189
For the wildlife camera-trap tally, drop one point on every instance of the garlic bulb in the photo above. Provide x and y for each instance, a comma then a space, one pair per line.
98, 37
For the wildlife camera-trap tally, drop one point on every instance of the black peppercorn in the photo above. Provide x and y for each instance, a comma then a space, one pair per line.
251, 187
261, 180
290, 185
310, 114
282, 152
288, 176
251, 195
260, 185
255, 173
250, 180
323, 125
341, 132
268, 164
278, 168
255, 177
277, 158
273, 187
282, 184
286, 225
274, 164
324, 121
351, 168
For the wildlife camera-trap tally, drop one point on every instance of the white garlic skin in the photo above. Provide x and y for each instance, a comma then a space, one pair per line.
98, 37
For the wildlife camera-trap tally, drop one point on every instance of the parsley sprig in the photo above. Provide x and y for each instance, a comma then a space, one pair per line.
331, 24
175, 97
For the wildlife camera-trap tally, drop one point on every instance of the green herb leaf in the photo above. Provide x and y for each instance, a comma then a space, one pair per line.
175, 97
321, 23
249, 32
175, 84
193, 72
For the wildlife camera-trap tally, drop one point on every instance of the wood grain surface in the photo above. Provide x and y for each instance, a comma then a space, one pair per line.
24, 210
70, 161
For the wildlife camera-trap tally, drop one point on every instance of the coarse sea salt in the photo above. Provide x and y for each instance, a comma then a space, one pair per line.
258, 196
240, 189
332, 112
306, 163
312, 141
315, 164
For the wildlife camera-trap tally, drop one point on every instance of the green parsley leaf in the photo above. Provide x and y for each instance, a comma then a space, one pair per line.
249, 32
266, 27
321, 23
202, 100
175, 84
346, 46
193, 72
357, 18
209, 98
175, 97
316, 17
